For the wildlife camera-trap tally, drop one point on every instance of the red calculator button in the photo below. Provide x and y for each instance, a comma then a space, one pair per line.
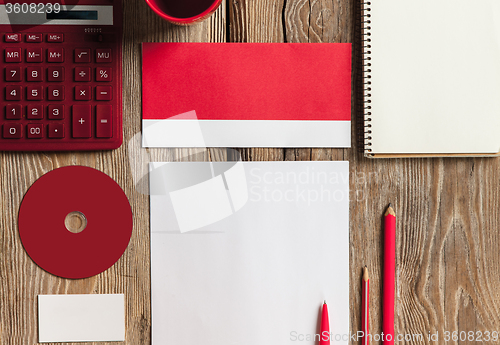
82, 123
103, 55
83, 93
82, 74
82, 55
55, 74
33, 38
103, 74
35, 112
104, 121
56, 93
13, 74
34, 55
13, 93
55, 38
13, 55
103, 93
13, 131
12, 38
35, 130
34, 93
55, 55
13, 112
56, 112
34, 74
56, 131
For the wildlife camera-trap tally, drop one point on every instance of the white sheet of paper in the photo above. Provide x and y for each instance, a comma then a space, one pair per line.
260, 274
78, 318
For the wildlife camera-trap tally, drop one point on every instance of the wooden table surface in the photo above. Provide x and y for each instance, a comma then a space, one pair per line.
447, 243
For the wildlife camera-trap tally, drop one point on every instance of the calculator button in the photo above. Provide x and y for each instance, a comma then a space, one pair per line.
56, 131
104, 121
35, 112
83, 93
55, 74
103, 93
12, 38
82, 55
55, 38
13, 93
56, 112
103, 55
82, 124
13, 74
56, 93
13, 131
82, 74
34, 55
33, 38
103, 74
13, 112
12, 55
34, 131
55, 55
34, 74
34, 93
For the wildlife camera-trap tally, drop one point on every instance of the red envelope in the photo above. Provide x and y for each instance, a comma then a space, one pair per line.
246, 94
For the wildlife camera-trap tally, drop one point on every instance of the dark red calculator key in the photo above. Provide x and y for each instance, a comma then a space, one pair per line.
33, 38
82, 121
103, 56
34, 112
13, 74
82, 55
34, 131
56, 131
104, 121
55, 38
56, 112
34, 55
34, 93
13, 131
13, 93
103, 93
104, 74
83, 93
34, 74
55, 74
12, 38
13, 112
82, 74
55, 93
13, 55
55, 55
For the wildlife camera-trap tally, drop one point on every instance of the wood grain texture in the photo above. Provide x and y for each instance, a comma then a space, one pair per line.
448, 209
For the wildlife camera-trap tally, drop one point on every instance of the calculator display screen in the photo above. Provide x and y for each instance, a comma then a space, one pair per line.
84, 15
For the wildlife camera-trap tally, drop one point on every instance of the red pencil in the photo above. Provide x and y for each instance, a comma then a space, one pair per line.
325, 327
365, 314
389, 277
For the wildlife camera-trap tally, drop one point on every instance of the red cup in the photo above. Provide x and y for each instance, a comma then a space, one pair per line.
184, 12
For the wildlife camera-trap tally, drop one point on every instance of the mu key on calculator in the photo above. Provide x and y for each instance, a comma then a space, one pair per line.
61, 75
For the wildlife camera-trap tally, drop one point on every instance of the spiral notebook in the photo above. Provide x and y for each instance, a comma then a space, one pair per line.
431, 77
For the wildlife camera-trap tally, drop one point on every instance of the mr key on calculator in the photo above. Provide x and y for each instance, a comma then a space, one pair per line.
62, 69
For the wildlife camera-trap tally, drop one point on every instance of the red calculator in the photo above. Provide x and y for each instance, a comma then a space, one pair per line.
62, 75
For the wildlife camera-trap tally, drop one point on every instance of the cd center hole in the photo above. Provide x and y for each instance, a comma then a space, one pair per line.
75, 222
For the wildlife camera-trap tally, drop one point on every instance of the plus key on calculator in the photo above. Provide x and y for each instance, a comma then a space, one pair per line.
62, 75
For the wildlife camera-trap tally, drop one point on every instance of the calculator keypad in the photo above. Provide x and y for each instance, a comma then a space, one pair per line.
57, 92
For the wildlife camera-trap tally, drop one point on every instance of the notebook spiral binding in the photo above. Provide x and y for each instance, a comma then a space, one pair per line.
366, 76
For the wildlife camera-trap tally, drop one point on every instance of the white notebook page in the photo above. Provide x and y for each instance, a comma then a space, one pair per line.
435, 76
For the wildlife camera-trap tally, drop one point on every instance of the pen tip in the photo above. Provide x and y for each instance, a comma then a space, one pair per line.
324, 302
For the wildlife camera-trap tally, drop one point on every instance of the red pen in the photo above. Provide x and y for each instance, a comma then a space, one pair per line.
325, 327
389, 275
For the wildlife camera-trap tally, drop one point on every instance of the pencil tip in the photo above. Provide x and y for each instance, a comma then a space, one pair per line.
390, 204
365, 274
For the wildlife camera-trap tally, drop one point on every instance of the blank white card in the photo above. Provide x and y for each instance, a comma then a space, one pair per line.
78, 318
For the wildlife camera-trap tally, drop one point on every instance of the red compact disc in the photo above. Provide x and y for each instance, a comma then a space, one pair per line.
75, 195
